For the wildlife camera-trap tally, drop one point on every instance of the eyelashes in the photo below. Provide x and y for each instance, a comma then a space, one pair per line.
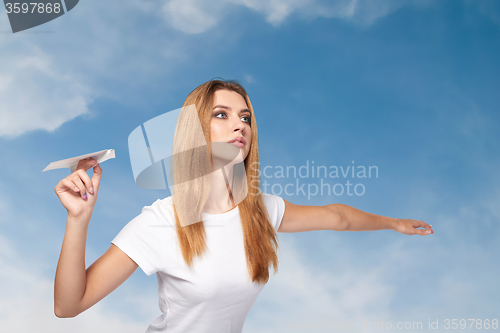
248, 119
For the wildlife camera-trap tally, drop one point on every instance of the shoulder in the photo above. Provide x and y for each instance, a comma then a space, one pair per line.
158, 213
270, 197
275, 206
271, 200
164, 210
147, 238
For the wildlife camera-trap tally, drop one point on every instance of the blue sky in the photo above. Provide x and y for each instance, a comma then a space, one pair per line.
407, 86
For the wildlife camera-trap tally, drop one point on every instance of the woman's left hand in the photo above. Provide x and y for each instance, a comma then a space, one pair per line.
409, 227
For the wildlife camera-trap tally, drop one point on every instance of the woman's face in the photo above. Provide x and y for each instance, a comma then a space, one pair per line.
231, 120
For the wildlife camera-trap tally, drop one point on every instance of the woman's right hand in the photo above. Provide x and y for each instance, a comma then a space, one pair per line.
77, 192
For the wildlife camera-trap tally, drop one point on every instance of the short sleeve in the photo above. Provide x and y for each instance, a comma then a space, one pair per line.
275, 207
141, 239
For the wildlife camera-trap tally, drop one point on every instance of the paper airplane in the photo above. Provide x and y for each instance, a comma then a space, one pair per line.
72, 162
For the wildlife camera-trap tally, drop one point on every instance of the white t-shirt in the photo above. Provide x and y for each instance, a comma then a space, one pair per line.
214, 296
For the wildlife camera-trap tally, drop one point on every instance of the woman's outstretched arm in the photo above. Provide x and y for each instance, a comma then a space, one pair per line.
76, 288
339, 217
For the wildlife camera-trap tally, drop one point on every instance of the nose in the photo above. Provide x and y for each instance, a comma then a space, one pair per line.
237, 125
240, 128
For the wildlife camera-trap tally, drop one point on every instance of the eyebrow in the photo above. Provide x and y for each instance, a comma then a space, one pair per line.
228, 108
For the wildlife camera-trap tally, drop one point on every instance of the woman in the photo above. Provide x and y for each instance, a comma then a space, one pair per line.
209, 273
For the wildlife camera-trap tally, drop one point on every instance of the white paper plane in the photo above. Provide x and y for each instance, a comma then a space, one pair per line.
72, 162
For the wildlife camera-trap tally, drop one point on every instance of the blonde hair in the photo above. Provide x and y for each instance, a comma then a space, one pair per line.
192, 185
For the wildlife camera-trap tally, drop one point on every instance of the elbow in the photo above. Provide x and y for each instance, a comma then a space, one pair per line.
339, 221
64, 313
343, 226
61, 315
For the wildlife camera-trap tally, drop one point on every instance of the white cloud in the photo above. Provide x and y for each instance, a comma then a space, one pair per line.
363, 12
303, 293
26, 304
275, 11
196, 16
95, 51
36, 94
47, 81
193, 16
402, 278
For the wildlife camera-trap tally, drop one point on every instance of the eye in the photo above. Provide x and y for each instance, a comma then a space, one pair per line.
218, 114
247, 119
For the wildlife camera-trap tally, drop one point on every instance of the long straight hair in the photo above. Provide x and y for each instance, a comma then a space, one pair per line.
189, 197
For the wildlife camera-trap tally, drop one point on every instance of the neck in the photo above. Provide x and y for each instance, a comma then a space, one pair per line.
220, 199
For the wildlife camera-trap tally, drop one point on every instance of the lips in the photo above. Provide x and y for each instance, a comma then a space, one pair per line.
239, 139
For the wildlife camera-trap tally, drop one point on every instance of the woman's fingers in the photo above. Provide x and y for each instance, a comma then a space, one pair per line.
91, 184
424, 232
86, 180
411, 227
79, 182
67, 185
421, 224
83, 188
96, 177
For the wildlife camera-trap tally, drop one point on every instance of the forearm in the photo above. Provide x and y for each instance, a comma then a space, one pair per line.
357, 220
71, 277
